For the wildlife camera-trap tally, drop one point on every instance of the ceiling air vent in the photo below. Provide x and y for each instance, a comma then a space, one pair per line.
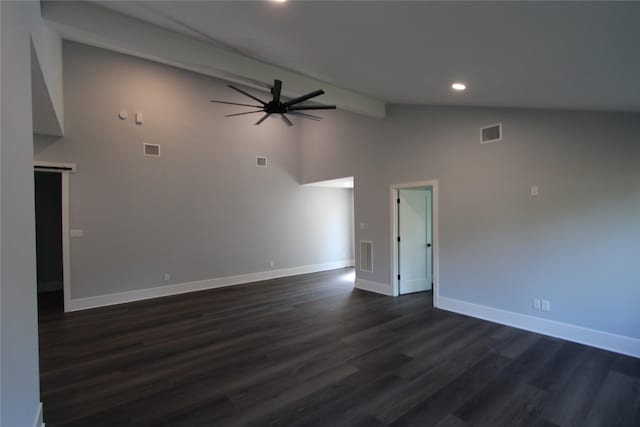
261, 162
491, 133
366, 255
152, 150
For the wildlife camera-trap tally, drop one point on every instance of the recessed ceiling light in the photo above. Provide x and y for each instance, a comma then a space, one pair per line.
458, 86
279, 1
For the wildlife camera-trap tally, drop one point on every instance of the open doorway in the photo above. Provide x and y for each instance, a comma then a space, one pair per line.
51, 196
342, 233
414, 238
48, 204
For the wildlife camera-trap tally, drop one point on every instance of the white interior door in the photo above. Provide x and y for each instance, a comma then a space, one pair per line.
415, 257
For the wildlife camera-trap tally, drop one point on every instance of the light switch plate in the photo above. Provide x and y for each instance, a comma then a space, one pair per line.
76, 233
536, 304
546, 305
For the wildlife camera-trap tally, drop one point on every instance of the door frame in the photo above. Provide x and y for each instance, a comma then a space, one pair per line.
393, 195
64, 169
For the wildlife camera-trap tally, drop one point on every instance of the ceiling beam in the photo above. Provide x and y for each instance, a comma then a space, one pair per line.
97, 26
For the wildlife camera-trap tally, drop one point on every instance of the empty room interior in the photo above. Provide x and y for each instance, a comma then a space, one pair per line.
316, 213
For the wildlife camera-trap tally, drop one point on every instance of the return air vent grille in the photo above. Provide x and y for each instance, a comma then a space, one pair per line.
261, 162
366, 256
491, 133
152, 150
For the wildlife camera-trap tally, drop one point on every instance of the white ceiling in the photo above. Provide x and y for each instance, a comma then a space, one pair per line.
568, 55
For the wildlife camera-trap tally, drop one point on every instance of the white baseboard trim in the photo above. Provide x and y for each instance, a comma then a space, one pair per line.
38, 421
379, 288
591, 337
200, 285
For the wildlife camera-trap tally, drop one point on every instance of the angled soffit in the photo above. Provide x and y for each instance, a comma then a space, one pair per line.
97, 26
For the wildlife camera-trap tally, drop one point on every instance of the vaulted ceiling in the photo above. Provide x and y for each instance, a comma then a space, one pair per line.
566, 55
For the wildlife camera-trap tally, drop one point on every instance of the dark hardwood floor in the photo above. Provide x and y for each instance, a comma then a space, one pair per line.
310, 350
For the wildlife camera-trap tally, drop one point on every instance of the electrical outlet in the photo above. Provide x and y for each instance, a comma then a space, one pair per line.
364, 226
272, 263
167, 277
536, 304
534, 190
546, 305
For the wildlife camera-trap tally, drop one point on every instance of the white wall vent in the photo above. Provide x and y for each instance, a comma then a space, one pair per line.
491, 133
366, 255
261, 162
152, 150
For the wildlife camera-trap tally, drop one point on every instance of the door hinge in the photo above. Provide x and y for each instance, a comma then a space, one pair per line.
398, 200
398, 277
398, 238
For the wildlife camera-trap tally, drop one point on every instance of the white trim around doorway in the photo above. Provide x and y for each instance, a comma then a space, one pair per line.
393, 195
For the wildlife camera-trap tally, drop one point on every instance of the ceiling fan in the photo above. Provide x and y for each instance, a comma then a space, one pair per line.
276, 106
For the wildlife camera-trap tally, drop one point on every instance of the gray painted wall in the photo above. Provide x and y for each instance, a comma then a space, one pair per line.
19, 382
202, 210
47, 46
576, 244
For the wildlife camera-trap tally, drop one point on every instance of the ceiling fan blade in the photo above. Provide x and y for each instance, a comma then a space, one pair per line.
263, 118
312, 107
277, 88
286, 120
305, 116
304, 97
248, 112
247, 94
235, 103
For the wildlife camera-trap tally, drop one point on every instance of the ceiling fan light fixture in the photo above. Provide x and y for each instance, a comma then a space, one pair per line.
276, 107
458, 86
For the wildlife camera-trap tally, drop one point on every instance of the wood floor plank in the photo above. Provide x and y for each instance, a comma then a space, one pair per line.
310, 350
569, 405
447, 399
617, 402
